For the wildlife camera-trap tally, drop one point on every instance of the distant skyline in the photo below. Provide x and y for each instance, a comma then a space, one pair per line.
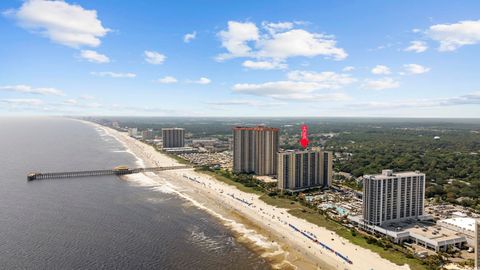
243, 58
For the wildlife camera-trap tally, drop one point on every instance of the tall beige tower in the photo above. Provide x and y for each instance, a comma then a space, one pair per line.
255, 150
173, 137
298, 170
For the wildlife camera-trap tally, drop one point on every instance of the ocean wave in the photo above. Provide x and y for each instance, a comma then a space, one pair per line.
200, 238
269, 248
251, 236
104, 132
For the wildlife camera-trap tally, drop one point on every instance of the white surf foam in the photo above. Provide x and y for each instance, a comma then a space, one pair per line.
144, 180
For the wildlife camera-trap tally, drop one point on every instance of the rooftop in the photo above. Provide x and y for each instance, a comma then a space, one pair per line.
174, 128
434, 233
422, 230
462, 223
257, 128
390, 174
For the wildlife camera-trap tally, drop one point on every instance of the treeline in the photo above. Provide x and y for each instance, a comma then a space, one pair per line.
451, 162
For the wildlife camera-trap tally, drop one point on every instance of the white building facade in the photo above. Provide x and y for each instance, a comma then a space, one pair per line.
393, 196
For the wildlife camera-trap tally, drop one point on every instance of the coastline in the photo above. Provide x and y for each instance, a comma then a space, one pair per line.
266, 229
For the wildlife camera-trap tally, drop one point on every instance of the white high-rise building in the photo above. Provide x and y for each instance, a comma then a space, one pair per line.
393, 196
173, 137
132, 132
298, 170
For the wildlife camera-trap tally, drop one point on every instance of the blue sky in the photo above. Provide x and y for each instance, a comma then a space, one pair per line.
240, 58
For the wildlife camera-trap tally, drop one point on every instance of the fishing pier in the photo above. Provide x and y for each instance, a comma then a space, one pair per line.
120, 170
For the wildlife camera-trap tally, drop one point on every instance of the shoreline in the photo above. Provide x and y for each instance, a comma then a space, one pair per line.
285, 241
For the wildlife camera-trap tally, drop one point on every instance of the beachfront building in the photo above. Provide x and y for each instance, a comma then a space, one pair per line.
173, 137
300, 170
132, 132
148, 134
390, 197
477, 245
255, 150
422, 233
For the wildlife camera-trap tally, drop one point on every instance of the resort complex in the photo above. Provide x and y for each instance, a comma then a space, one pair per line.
390, 207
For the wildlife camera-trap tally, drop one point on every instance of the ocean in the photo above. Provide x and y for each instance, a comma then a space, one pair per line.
97, 222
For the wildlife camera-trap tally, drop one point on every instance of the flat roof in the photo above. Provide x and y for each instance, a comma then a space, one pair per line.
460, 222
441, 235
174, 128
415, 229
257, 128
394, 175
286, 152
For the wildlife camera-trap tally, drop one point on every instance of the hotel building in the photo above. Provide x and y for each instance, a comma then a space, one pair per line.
393, 196
477, 245
255, 150
299, 170
173, 137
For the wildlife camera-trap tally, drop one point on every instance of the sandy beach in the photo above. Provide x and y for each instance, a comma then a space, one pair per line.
285, 240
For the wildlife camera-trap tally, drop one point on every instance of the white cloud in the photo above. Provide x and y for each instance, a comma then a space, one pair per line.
348, 68
232, 103
417, 46
167, 79
235, 39
456, 35
416, 30
254, 103
22, 101
202, 80
324, 80
298, 42
114, 74
415, 69
381, 84
154, 58
66, 24
300, 86
276, 88
87, 97
381, 69
288, 90
277, 27
94, 57
70, 101
31, 90
264, 65
279, 42
468, 99
189, 37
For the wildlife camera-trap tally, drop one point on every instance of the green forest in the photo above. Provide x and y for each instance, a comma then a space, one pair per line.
450, 161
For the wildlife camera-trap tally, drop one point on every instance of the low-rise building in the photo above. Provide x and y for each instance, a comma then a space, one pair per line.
462, 225
148, 134
421, 233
